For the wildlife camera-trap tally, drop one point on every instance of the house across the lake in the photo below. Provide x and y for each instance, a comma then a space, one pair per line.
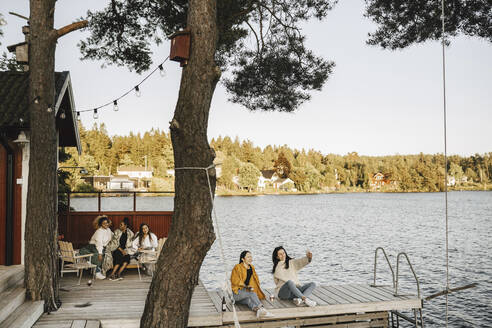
266, 179
98, 182
127, 178
380, 180
269, 180
121, 183
139, 175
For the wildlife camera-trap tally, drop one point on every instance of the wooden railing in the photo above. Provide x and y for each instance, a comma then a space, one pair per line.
76, 226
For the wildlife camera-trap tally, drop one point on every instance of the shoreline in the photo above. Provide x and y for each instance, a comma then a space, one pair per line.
268, 193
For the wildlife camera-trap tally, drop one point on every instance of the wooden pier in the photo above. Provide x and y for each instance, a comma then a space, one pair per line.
120, 304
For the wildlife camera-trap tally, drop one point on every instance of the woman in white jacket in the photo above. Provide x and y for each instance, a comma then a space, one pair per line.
285, 277
99, 240
145, 240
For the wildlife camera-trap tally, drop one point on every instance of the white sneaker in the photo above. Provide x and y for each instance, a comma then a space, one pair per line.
99, 275
263, 313
297, 301
309, 302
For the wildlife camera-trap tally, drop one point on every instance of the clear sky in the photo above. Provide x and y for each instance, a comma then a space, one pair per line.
377, 102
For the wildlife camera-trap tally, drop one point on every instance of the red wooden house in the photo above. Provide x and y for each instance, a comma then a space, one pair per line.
15, 149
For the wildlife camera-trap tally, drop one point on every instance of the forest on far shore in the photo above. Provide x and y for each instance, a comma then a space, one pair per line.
241, 163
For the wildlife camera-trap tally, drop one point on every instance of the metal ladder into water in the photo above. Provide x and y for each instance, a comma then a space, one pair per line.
418, 323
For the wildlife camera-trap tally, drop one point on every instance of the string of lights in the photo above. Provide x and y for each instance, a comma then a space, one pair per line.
136, 88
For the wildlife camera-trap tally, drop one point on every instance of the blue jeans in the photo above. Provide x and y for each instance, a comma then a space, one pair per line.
248, 298
289, 290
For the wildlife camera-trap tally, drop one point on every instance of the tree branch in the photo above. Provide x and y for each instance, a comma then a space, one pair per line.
71, 27
256, 36
286, 26
261, 28
249, 9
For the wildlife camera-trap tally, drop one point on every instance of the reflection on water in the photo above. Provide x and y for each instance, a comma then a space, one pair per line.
343, 230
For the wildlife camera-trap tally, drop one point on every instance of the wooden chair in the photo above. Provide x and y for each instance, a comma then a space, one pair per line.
150, 257
73, 262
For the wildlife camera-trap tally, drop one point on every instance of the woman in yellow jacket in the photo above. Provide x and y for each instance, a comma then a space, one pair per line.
246, 285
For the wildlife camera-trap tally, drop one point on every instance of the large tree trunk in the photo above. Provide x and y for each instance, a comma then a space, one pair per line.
41, 223
192, 233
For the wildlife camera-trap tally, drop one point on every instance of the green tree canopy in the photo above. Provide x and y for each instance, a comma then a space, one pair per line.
248, 176
282, 165
276, 73
403, 23
7, 63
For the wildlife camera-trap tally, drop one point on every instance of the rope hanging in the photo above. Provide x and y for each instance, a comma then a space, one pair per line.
226, 286
445, 154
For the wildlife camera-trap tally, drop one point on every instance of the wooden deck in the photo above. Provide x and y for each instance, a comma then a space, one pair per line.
119, 304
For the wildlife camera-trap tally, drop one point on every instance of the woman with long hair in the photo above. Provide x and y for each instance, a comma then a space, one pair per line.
246, 285
97, 245
285, 277
145, 240
118, 250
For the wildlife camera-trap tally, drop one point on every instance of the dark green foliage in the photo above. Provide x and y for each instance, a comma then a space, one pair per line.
84, 187
2, 22
8, 63
282, 166
403, 23
278, 78
248, 176
277, 73
63, 186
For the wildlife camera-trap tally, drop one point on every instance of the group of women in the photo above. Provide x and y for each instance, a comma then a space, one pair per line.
246, 284
115, 249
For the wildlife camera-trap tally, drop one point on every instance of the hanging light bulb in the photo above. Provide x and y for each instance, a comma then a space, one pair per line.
95, 115
78, 115
62, 114
162, 72
49, 109
36, 100
137, 91
115, 105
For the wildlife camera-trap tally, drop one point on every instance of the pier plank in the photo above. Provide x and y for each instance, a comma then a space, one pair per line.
324, 291
376, 292
329, 300
78, 324
368, 297
344, 299
354, 298
92, 324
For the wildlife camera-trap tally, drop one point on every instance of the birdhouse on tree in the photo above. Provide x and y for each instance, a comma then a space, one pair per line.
21, 49
180, 47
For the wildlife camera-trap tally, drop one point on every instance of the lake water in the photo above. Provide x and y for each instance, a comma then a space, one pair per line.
343, 230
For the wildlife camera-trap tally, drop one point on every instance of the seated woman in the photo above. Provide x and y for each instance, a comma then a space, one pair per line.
98, 243
118, 250
145, 240
246, 285
285, 277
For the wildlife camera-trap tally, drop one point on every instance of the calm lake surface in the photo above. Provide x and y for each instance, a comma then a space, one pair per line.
343, 230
